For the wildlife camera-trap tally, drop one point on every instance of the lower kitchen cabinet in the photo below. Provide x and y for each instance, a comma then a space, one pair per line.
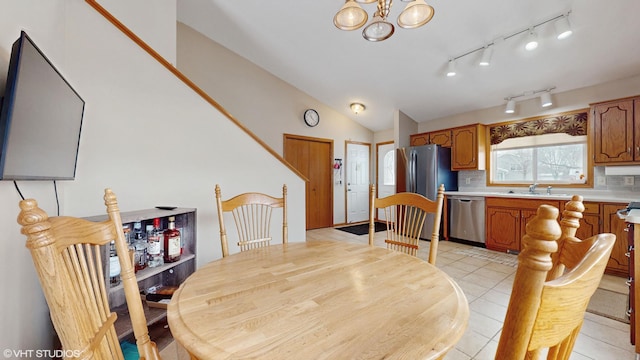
618, 262
506, 221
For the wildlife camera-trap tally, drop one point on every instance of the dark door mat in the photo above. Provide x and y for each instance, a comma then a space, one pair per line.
362, 229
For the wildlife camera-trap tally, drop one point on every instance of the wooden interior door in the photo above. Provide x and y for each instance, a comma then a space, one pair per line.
313, 158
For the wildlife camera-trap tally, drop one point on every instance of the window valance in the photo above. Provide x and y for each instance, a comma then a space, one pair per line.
574, 124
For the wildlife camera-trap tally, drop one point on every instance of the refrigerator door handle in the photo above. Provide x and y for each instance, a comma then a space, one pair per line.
414, 172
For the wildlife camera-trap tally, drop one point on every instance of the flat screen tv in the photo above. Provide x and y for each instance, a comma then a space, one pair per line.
40, 118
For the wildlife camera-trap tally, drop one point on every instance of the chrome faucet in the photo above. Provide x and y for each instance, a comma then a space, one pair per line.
549, 190
532, 188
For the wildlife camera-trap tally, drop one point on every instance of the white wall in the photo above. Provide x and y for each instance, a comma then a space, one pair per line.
566, 101
145, 134
265, 104
155, 24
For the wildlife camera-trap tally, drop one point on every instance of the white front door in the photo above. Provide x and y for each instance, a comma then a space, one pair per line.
386, 184
357, 181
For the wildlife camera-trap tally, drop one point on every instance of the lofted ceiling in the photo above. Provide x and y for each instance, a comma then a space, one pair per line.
297, 42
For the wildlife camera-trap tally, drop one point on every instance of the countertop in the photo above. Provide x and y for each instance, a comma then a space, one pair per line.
556, 194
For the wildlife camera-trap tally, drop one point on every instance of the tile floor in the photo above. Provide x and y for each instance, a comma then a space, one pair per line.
487, 285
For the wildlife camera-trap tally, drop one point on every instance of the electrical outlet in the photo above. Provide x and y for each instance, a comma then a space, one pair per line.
601, 180
467, 181
628, 180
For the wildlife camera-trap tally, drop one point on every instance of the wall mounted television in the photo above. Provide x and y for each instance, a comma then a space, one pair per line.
40, 118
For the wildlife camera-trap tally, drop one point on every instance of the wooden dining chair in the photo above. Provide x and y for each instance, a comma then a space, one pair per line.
70, 256
546, 315
404, 216
252, 215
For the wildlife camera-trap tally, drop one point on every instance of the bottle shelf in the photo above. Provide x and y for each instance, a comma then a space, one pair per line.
149, 272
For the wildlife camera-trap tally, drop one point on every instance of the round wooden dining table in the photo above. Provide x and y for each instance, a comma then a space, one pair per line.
318, 300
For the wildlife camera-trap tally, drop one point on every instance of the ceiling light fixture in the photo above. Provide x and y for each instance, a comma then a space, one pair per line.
530, 31
451, 68
486, 56
357, 108
511, 106
545, 98
563, 28
351, 17
532, 40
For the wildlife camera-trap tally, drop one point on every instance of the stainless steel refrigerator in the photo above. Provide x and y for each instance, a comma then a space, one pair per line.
421, 169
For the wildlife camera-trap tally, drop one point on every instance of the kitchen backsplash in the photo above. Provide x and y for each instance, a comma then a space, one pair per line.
475, 180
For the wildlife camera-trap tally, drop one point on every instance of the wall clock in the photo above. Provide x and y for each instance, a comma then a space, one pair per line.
311, 117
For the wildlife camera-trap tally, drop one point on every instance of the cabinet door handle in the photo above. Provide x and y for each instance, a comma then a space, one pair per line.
629, 150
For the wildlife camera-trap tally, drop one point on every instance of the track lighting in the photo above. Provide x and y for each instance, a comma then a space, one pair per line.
545, 99
451, 68
486, 56
561, 23
563, 28
532, 41
511, 106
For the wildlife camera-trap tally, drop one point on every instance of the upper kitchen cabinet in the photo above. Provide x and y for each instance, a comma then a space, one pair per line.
440, 137
468, 148
616, 127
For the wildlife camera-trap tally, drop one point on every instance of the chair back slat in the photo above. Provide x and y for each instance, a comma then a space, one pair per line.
252, 215
404, 216
69, 256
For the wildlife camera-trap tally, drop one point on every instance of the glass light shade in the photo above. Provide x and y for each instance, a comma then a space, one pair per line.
545, 99
486, 56
379, 29
563, 28
366, 1
416, 14
532, 41
451, 68
350, 17
511, 106
357, 108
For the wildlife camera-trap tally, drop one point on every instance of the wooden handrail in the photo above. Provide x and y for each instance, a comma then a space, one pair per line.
187, 81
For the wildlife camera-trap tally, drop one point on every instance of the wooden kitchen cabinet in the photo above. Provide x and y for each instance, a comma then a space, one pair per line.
616, 128
468, 148
506, 220
440, 137
591, 221
618, 262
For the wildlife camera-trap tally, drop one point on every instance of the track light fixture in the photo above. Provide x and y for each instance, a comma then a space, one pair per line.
532, 40
511, 106
451, 68
351, 17
563, 30
545, 99
486, 56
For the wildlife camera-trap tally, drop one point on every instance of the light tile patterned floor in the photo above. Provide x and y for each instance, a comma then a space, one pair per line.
486, 279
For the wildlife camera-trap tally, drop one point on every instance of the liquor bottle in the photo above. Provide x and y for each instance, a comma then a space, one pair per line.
140, 247
154, 238
171, 242
114, 265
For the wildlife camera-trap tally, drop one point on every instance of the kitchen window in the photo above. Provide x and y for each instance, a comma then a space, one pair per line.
548, 159
545, 150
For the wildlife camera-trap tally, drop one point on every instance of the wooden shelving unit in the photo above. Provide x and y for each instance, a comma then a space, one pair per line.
169, 274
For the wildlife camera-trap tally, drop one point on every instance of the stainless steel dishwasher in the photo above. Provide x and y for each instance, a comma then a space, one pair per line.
466, 218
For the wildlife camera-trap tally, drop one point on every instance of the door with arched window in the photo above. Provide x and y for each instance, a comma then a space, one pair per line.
385, 171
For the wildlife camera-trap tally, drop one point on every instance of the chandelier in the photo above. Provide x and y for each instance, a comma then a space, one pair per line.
352, 16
